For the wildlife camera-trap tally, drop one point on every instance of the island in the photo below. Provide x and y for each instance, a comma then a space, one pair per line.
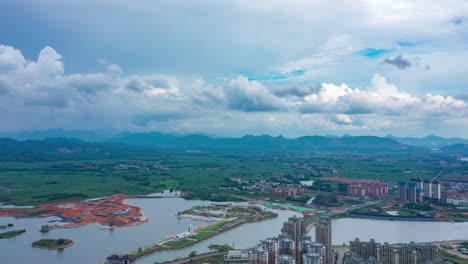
53, 243
13, 233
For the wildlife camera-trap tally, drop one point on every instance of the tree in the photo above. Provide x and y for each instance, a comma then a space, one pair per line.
192, 254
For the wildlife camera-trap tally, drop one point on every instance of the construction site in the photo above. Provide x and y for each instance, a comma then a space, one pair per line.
108, 211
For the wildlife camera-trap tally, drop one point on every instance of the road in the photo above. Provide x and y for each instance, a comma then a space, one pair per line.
437, 176
341, 251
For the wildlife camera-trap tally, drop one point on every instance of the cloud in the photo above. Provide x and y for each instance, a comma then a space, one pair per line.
381, 98
292, 90
4, 87
10, 59
398, 62
109, 99
250, 96
154, 85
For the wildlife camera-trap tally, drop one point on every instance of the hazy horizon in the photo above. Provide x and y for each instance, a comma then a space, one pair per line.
113, 133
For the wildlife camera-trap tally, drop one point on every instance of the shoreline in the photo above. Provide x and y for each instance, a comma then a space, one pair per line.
103, 210
353, 216
155, 249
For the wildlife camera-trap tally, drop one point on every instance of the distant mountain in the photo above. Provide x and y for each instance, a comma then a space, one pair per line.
429, 141
84, 135
457, 148
264, 143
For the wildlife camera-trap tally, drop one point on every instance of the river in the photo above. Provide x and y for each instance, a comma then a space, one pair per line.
93, 244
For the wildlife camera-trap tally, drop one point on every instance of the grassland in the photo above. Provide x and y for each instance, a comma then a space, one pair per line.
199, 175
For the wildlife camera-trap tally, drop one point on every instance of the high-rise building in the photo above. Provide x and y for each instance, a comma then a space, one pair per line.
403, 192
286, 246
419, 195
394, 254
411, 192
258, 256
427, 189
419, 183
323, 235
436, 190
312, 258
387, 254
364, 249
425, 252
296, 229
407, 255
285, 259
355, 259
271, 246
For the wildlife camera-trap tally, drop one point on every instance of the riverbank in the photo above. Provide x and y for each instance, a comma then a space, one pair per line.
389, 218
201, 233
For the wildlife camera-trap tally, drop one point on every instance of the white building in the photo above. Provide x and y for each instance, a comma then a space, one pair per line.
237, 254
285, 259
312, 258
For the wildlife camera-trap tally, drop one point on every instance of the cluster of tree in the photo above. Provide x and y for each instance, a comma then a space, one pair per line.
321, 185
419, 207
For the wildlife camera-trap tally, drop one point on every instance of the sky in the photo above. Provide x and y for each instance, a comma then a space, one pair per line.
230, 68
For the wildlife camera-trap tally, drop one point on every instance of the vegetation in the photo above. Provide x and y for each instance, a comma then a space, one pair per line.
6, 226
179, 243
192, 254
220, 248
455, 259
52, 243
326, 200
10, 234
419, 207
36, 172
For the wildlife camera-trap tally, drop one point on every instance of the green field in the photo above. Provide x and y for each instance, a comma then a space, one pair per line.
200, 175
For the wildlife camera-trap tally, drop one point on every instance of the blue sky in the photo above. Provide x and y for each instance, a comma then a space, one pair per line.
236, 67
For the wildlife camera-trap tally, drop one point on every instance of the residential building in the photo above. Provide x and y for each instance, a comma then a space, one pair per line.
259, 256
427, 189
364, 249
393, 254
312, 258
323, 235
436, 190
285, 259
403, 191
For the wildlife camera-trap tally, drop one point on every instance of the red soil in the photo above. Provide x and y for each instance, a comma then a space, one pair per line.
107, 211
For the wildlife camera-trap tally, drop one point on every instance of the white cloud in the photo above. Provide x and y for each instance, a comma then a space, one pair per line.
250, 96
39, 95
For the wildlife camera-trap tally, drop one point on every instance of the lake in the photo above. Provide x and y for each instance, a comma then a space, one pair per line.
93, 244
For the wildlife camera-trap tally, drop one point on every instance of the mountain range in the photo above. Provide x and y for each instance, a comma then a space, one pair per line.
94, 143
